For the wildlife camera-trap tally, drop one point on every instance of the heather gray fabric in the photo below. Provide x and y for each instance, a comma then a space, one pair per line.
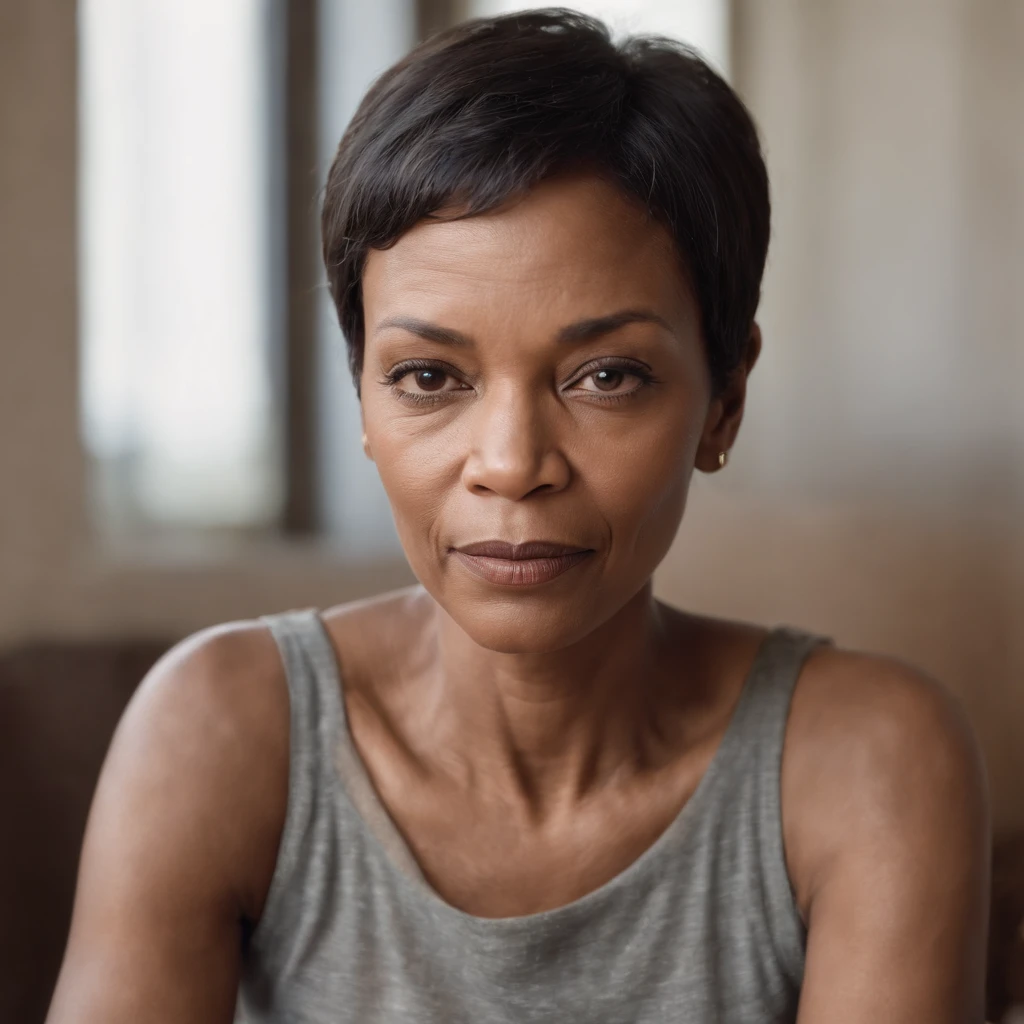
701, 928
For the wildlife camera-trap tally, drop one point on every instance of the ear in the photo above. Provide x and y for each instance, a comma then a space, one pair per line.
725, 413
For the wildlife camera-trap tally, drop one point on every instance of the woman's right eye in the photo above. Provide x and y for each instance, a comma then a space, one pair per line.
424, 382
428, 380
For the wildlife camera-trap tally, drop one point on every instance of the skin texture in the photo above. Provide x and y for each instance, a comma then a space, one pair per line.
531, 742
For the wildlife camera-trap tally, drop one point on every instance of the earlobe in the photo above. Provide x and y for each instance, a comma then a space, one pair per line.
366, 448
712, 453
725, 413
709, 461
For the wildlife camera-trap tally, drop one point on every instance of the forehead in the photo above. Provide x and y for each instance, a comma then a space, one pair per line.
572, 246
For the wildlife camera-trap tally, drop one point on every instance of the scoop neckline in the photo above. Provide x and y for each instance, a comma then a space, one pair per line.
554, 917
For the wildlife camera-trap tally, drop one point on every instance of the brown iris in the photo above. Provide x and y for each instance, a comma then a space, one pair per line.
608, 380
430, 380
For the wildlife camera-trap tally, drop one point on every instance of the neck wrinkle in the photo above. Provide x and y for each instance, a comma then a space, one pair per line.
546, 730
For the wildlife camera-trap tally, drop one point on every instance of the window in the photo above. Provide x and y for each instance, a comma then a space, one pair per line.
178, 264
701, 23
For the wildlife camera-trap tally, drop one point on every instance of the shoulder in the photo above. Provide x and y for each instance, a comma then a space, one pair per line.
879, 761
202, 750
182, 836
213, 662
862, 717
214, 696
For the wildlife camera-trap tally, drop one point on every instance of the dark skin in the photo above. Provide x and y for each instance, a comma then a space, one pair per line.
531, 742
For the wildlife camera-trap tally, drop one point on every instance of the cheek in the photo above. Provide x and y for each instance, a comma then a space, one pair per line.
416, 476
417, 471
640, 466
640, 480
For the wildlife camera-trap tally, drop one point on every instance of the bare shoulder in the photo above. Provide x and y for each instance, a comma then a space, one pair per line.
879, 759
876, 717
218, 665
205, 740
182, 836
219, 697
854, 703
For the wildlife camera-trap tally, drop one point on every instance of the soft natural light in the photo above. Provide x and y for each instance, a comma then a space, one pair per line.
703, 24
177, 308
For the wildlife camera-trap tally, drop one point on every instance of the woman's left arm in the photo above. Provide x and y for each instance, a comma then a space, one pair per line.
887, 835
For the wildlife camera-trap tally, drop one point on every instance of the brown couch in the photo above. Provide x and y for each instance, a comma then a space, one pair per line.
59, 705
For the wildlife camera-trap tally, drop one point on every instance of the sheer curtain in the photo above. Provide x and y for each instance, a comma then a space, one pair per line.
177, 280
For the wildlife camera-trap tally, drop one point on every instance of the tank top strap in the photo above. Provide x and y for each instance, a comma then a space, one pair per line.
762, 729
325, 764
314, 689
763, 710
315, 713
754, 766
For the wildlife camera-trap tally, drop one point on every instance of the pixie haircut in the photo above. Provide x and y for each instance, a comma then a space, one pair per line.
480, 114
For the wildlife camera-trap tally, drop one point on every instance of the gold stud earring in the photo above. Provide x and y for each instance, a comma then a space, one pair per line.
723, 459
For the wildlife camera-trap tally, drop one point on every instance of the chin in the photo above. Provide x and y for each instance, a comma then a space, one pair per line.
523, 634
525, 623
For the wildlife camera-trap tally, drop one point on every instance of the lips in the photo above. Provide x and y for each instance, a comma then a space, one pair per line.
519, 565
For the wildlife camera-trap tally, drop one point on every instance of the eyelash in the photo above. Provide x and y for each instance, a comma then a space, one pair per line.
628, 366
392, 378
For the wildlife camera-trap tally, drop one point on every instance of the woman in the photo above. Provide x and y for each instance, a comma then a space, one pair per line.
526, 790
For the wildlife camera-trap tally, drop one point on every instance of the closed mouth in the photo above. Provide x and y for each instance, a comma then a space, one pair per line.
519, 552
520, 565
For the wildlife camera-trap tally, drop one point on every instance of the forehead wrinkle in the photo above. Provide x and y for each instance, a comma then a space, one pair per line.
535, 277
586, 224
552, 259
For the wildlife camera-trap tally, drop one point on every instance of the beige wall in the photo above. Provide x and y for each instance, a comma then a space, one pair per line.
877, 492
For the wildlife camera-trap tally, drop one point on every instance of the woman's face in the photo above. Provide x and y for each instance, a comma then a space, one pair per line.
537, 374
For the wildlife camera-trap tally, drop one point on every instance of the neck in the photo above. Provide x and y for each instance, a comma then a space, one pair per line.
547, 728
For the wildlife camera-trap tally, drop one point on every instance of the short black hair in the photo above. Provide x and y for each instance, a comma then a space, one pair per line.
483, 112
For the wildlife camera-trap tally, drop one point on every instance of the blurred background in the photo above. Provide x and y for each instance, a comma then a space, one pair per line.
179, 435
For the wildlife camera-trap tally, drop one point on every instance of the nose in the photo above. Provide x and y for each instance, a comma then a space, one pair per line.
514, 451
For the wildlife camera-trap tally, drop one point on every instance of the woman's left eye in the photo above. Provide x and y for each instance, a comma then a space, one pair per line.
609, 381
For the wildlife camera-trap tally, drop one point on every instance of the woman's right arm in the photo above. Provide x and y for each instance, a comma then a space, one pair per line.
182, 838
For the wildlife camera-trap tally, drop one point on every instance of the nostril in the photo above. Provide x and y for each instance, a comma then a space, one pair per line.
515, 474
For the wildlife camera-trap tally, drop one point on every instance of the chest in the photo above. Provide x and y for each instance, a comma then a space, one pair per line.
491, 858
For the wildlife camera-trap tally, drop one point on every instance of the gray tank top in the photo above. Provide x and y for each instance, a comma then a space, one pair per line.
701, 928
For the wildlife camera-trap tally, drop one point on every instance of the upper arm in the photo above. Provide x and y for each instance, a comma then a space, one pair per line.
888, 843
181, 839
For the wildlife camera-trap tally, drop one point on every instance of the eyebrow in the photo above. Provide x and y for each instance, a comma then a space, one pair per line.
427, 330
574, 333
598, 326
